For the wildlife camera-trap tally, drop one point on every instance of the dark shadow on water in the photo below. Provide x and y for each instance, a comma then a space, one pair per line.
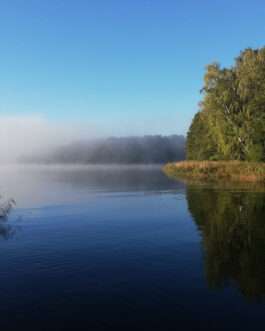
232, 226
6, 230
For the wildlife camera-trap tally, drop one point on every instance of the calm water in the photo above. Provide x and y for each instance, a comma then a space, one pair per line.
126, 248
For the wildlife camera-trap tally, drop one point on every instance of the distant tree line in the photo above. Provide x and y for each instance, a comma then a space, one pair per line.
123, 150
231, 120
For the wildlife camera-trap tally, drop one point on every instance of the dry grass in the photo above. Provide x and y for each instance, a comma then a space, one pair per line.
214, 170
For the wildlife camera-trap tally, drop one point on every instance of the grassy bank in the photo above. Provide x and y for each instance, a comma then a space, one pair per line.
237, 171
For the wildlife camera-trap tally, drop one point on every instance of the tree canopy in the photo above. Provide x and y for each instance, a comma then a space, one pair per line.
231, 122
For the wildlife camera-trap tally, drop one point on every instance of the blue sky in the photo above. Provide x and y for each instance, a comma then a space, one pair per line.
121, 66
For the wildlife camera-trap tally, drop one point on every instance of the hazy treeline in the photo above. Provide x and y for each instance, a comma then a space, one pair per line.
122, 150
231, 122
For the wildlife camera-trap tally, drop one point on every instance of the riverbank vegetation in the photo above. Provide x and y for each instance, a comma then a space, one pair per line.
217, 170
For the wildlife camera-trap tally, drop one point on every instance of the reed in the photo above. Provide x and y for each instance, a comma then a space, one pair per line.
217, 170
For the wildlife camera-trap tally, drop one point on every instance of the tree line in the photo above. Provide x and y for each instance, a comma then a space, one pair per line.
118, 150
230, 124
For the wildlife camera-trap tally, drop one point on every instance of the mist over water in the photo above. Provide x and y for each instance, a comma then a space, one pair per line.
40, 185
35, 139
97, 221
29, 135
102, 227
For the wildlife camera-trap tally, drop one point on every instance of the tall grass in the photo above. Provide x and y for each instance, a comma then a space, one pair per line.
217, 170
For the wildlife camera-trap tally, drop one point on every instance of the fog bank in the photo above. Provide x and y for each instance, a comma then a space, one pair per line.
147, 149
35, 139
31, 135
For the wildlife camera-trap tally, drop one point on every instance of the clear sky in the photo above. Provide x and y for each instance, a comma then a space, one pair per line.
121, 66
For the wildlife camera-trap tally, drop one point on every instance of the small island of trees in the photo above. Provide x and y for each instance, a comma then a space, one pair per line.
230, 124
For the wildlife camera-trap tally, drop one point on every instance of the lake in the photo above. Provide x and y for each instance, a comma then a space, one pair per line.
118, 248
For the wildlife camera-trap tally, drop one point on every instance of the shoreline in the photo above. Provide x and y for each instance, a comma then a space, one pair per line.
233, 171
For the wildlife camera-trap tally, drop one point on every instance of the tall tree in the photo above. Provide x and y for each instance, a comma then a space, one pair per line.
232, 113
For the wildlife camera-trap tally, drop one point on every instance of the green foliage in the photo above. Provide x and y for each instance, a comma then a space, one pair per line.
231, 122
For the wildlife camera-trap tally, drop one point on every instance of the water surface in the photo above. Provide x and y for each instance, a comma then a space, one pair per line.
108, 248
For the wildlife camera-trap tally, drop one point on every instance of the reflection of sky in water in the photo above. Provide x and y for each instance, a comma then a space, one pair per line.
124, 247
48, 185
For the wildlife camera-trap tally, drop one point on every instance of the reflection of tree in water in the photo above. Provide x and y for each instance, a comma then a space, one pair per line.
116, 178
232, 225
6, 230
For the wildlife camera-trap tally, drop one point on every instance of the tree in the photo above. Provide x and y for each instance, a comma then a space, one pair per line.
231, 120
